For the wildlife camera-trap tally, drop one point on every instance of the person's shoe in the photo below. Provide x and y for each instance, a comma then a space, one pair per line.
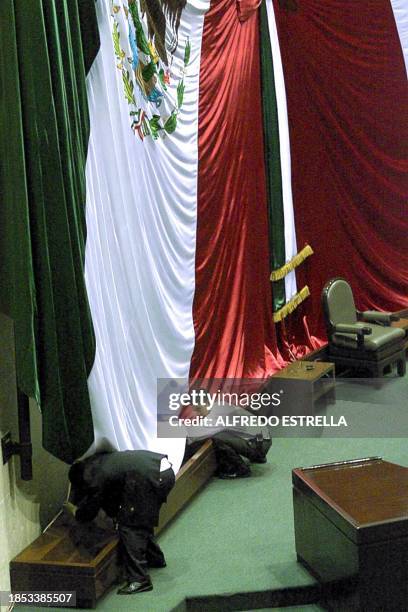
240, 470
258, 459
230, 475
132, 588
157, 563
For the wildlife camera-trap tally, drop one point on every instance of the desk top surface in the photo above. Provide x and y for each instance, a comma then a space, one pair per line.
364, 493
306, 370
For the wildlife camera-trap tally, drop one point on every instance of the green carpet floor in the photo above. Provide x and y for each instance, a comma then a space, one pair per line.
237, 537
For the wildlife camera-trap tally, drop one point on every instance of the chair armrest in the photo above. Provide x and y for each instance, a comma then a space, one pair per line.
360, 332
372, 316
344, 328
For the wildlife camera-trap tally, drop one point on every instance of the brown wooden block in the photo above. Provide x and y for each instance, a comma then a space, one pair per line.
304, 383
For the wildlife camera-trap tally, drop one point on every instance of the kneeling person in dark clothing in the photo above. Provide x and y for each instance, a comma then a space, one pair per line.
130, 486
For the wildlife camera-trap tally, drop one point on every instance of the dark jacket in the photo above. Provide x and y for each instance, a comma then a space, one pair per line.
126, 484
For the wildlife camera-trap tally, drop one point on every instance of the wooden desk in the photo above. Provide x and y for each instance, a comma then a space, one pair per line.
312, 380
351, 531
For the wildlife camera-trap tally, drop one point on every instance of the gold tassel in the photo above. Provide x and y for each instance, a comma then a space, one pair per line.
292, 264
291, 305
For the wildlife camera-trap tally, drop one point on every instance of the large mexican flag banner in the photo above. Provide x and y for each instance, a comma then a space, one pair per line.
194, 240
240, 154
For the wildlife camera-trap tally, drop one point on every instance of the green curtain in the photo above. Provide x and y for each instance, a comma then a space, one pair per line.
46, 47
272, 162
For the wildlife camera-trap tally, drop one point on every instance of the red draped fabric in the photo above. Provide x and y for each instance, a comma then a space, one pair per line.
246, 8
232, 306
348, 108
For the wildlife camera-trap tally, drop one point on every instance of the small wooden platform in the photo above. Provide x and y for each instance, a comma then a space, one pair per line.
71, 557
309, 381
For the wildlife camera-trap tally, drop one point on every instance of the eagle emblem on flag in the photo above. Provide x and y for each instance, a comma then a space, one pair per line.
151, 64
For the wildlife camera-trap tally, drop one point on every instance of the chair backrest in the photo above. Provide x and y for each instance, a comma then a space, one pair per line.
338, 303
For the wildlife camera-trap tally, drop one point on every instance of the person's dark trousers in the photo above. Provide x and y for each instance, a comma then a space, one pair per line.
154, 554
139, 551
138, 546
255, 449
230, 464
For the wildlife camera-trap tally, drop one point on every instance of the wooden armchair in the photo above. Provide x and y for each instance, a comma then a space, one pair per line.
360, 340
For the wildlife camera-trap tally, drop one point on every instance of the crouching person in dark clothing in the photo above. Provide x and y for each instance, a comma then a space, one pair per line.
130, 486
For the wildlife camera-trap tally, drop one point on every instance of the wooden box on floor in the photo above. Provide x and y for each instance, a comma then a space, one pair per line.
54, 563
68, 557
351, 530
